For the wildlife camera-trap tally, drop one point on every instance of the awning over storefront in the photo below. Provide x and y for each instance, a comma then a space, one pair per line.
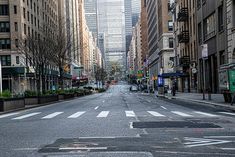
169, 75
13, 71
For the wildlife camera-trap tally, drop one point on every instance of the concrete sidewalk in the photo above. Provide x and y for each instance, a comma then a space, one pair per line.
216, 99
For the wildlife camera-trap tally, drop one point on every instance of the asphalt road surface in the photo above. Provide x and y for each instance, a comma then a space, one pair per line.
118, 123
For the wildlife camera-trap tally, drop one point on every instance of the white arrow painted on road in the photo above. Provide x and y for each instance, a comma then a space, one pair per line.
197, 142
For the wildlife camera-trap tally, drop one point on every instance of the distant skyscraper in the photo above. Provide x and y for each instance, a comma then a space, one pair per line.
128, 22
111, 19
136, 8
91, 15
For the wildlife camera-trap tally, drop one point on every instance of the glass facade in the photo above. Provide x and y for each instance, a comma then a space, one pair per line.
111, 17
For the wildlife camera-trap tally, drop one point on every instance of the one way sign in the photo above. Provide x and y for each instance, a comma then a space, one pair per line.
197, 142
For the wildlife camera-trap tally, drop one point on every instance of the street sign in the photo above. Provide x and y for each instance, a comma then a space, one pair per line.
204, 51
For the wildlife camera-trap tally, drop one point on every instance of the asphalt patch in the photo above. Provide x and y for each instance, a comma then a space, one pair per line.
173, 124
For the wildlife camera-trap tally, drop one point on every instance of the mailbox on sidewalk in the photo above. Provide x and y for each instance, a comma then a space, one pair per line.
227, 81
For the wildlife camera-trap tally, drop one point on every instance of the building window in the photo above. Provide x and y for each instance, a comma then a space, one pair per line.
16, 26
25, 29
28, 16
170, 26
31, 4
34, 7
220, 18
24, 13
171, 43
4, 10
31, 18
222, 57
4, 27
198, 4
17, 43
17, 60
209, 27
6, 60
15, 9
5, 44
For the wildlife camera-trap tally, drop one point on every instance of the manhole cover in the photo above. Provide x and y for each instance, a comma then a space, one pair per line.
173, 124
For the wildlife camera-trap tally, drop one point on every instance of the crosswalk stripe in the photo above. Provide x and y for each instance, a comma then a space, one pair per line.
130, 113
206, 114
52, 115
182, 114
228, 113
156, 114
76, 115
103, 114
26, 116
8, 115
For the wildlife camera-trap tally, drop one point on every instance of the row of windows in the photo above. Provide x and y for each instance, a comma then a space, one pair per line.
4, 27
5, 60
4, 10
5, 44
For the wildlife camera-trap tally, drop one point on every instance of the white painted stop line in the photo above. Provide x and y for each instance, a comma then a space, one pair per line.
103, 114
26, 116
76, 115
130, 113
228, 113
8, 115
206, 114
182, 114
52, 115
156, 114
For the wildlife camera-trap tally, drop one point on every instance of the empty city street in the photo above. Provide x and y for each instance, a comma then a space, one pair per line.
118, 123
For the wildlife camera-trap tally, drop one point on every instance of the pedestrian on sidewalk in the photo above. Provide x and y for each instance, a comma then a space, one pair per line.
173, 88
233, 99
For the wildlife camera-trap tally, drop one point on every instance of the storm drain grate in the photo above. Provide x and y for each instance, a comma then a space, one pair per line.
173, 124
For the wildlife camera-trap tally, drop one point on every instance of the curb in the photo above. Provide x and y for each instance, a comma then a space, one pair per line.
200, 101
41, 105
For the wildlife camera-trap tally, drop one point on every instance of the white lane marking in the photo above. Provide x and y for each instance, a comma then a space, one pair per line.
205, 114
130, 113
96, 107
103, 101
8, 115
182, 114
26, 116
76, 115
83, 148
228, 113
197, 142
103, 114
163, 107
52, 115
219, 136
156, 114
228, 148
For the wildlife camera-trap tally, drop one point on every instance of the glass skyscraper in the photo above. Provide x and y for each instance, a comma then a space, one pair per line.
90, 7
111, 19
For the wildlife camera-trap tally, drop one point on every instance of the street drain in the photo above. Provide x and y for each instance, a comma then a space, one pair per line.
173, 124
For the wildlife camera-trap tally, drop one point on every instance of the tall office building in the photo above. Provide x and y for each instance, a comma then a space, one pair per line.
128, 23
90, 7
111, 19
136, 9
19, 19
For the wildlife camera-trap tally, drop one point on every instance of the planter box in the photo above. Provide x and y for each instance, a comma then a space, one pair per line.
80, 94
11, 104
61, 96
47, 99
68, 96
31, 101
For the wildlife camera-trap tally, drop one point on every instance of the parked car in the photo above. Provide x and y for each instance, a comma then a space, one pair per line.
133, 88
